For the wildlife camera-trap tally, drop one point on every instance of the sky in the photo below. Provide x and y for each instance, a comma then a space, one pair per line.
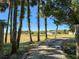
50, 24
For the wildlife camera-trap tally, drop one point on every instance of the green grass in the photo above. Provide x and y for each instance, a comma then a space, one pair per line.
24, 47
7, 49
70, 49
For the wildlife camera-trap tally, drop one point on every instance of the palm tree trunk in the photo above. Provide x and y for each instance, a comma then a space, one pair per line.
38, 22
7, 25
56, 31
14, 48
21, 19
45, 19
11, 22
77, 41
29, 27
19, 33
1, 36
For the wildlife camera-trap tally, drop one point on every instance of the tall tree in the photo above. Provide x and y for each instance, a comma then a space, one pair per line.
45, 11
21, 19
28, 13
11, 21
9, 15
45, 19
14, 48
38, 21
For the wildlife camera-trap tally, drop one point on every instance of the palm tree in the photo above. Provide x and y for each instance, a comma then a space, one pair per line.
14, 48
11, 21
45, 20
2, 24
8, 23
28, 13
38, 21
21, 19
35, 2
46, 11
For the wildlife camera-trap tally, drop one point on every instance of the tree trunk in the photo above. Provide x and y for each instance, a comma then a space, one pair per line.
11, 22
19, 33
45, 19
29, 27
7, 25
14, 49
1, 36
56, 32
38, 22
77, 40
21, 19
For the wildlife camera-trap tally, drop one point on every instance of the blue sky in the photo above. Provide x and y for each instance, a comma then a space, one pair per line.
33, 18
